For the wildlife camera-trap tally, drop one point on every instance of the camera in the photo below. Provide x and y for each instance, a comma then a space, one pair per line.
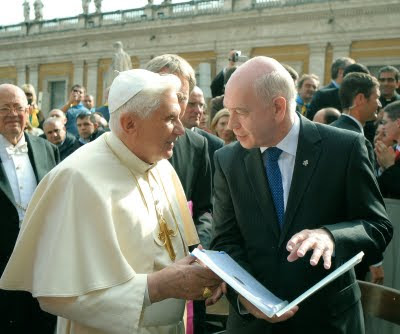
237, 56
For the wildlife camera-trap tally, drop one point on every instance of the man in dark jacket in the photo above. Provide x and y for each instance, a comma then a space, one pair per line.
24, 161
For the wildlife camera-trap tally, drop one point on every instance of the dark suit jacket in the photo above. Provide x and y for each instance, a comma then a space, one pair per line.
214, 143
329, 86
389, 181
19, 312
345, 200
344, 122
322, 99
192, 164
70, 145
217, 85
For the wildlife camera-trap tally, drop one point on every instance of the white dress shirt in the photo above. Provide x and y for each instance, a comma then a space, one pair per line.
286, 160
19, 173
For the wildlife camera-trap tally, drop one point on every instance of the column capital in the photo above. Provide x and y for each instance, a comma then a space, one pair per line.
318, 47
341, 48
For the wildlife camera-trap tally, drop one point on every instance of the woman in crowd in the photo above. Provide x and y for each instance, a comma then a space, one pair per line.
219, 126
35, 115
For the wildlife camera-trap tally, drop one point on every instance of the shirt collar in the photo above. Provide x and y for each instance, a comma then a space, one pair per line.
5, 143
127, 157
335, 84
289, 143
357, 121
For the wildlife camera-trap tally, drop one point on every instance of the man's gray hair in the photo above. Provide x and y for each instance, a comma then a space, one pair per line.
53, 120
143, 105
173, 64
274, 84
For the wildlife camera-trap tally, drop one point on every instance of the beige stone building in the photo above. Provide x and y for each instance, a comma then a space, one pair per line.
306, 34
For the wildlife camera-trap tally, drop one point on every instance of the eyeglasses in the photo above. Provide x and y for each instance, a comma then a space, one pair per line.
77, 91
4, 111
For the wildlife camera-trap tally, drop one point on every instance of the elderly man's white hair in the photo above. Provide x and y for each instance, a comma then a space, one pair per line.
277, 83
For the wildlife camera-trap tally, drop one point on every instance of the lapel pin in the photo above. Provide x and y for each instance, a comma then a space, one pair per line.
305, 163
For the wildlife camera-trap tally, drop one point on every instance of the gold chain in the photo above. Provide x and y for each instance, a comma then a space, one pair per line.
164, 233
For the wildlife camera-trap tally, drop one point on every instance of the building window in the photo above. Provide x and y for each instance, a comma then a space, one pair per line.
57, 94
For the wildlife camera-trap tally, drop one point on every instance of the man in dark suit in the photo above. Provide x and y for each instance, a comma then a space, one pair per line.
190, 158
388, 157
359, 95
337, 69
25, 160
285, 214
191, 120
191, 162
330, 97
218, 83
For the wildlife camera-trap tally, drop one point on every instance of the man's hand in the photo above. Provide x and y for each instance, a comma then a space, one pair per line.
260, 315
384, 155
377, 274
185, 279
218, 292
319, 240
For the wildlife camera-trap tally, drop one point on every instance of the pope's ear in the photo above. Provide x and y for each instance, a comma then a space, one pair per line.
128, 122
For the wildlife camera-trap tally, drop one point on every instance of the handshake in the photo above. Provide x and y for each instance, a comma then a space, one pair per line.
186, 279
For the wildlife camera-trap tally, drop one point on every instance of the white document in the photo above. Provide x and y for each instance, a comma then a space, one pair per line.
247, 286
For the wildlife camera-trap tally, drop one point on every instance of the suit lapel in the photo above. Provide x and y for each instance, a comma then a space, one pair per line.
34, 152
307, 157
5, 184
258, 182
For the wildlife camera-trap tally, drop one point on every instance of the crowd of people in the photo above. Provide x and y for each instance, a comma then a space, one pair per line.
102, 205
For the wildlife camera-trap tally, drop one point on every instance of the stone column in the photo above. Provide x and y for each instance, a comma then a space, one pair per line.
92, 66
228, 5
34, 76
317, 60
204, 81
222, 60
78, 72
21, 75
341, 49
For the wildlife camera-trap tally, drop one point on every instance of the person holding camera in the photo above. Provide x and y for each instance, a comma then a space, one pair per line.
218, 84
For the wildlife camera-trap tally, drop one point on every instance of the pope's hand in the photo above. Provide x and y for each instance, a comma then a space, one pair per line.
319, 240
260, 315
185, 279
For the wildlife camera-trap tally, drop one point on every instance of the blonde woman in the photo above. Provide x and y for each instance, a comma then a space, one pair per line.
219, 126
35, 115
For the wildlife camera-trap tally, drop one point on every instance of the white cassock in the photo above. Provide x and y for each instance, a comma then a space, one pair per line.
90, 237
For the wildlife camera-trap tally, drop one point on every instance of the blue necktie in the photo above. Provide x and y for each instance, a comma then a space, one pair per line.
274, 176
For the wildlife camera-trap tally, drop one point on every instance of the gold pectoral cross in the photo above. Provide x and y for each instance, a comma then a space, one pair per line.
165, 235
